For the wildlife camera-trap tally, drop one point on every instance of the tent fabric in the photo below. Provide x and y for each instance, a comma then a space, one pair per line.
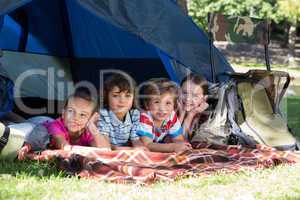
169, 65
7, 95
100, 39
46, 28
9, 5
144, 24
41, 76
140, 69
10, 32
157, 22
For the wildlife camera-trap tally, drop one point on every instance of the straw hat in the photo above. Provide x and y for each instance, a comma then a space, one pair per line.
14, 143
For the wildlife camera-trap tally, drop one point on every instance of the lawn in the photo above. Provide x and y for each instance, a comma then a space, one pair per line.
290, 108
27, 180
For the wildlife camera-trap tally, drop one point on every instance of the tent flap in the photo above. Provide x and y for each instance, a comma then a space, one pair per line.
110, 29
163, 24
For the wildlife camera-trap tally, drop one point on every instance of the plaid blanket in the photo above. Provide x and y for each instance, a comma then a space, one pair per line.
137, 166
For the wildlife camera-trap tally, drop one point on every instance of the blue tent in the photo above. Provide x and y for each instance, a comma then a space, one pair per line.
144, 38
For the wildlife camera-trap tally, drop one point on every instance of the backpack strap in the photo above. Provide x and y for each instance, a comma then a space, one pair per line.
4, 138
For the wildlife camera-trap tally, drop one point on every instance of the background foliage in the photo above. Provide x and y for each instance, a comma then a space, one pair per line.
276, 10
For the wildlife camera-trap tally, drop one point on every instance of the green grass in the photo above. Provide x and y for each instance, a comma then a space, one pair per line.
290, 107
30, 180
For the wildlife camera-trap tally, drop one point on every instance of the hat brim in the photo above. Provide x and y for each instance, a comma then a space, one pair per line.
14, 144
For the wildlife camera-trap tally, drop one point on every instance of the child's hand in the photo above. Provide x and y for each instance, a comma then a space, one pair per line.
180, 110
202, 106
178, 147
91, 125
180, 105
23, 152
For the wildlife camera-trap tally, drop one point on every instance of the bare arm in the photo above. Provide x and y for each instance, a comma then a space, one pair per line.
99, 140
187, 121
181, 111
138, 144
166, 147
22, 153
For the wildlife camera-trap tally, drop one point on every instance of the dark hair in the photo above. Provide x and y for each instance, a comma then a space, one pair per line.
84, 93
120, 81
198, 80
158, 86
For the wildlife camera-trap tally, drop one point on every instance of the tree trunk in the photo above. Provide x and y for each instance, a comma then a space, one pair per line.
285, 41
297, 45
292, 40
183, 5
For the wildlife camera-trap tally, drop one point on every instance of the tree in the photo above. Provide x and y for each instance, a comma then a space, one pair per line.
287, 11
183, 5
199, 9
290, 9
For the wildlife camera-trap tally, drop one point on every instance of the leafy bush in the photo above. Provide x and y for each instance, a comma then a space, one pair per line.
199, 9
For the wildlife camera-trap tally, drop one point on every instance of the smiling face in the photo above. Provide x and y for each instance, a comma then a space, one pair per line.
191, 95
76, 115
161, 107
120, 102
